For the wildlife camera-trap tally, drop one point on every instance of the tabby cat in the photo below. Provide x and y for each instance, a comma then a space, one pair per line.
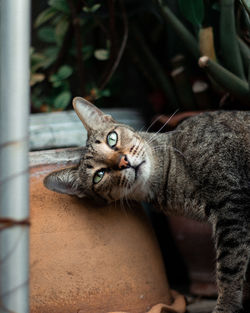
200, 170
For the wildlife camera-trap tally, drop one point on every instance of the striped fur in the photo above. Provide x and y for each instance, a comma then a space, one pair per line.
200, 170
210, 180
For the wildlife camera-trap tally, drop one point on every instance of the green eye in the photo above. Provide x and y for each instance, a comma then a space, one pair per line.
112, 139
98, 176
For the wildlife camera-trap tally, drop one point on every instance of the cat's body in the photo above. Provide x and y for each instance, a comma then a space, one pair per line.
200, 170
202, 156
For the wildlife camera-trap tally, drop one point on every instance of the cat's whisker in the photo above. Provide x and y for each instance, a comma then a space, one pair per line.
122, 205
141, 129
128, 203
123, 199
126, 195
153, 123
155, 134
163, 146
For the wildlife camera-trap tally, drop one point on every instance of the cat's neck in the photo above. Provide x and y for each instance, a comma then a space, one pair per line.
151, 138
159, 145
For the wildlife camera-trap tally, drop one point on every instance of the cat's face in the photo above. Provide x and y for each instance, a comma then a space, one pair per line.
116, 163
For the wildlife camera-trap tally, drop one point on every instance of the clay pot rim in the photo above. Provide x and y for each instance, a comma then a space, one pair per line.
178, 305
56, 156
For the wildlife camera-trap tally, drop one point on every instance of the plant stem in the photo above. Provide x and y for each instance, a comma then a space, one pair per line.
245, 53
245, 7
152, 63
188, 39
228, 39
226, 79
183, 88
206, 42
117, 59
78, 42
111, 36
112, 30
249, 76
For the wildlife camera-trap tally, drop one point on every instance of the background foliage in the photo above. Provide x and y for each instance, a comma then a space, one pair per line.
130, 53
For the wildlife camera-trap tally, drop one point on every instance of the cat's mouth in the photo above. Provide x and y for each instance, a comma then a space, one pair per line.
137, 169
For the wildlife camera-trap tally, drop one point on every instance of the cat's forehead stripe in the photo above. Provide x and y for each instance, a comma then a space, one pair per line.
88, 157
89, 166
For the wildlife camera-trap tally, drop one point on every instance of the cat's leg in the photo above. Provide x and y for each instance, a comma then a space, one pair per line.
232, 254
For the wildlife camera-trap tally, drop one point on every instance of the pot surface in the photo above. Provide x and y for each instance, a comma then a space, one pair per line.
86, 258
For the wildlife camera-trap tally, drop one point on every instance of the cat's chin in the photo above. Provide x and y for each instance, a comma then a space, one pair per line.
138, 190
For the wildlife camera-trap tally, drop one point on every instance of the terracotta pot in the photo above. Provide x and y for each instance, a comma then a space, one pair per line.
86, 258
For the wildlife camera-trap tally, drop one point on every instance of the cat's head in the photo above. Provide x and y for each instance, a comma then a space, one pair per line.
116, 163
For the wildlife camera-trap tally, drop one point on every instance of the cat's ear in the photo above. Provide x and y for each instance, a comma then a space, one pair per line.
64, 181
89, 114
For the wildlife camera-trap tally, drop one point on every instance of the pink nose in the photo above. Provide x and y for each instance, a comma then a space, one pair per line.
123, 163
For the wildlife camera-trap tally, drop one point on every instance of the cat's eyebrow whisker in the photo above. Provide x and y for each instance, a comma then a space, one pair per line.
141, 129
154, 134
154, 121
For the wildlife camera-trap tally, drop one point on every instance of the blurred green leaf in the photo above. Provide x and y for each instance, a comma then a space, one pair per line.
37, 103
51, 52
55, 83
61, 28
87, 52
246, 6
64, 72
192, 10
105, 93
216, 6
62, 100
37, 57
44, 16
47, 34
37, 60
247, 2
92, 9
57, 19
50, 56
97, 93
36, 99
101, 54
60, 5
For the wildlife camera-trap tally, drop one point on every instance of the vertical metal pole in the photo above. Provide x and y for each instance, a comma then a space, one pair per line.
14, 111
